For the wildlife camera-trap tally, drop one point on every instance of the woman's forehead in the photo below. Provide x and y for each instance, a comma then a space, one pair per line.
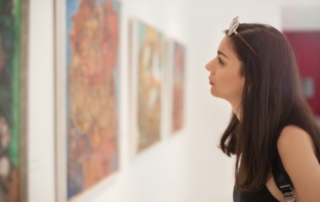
225, 47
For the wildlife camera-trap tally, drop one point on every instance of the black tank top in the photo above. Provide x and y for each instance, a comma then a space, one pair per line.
262, 195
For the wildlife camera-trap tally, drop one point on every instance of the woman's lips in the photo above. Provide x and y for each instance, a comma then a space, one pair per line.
210, 82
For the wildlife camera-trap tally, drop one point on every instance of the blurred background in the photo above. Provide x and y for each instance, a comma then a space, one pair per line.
188, 166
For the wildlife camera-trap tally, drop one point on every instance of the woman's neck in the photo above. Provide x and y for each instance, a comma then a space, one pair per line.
236, 110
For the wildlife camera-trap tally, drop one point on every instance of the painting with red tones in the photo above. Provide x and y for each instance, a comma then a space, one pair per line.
147, 85
13, 100
177, 69
88, 76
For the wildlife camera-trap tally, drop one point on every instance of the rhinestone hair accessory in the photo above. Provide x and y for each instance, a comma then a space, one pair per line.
233, 30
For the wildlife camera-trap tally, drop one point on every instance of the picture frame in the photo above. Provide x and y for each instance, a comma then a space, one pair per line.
176, 56
147, 86
87, 35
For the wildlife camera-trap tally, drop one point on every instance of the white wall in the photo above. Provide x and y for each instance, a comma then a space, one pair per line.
300, 15
186, 168
40, 105
160, 173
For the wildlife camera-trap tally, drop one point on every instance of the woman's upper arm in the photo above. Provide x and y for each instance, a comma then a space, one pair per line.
298, 156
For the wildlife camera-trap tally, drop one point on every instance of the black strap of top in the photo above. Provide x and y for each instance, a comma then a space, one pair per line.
282, 179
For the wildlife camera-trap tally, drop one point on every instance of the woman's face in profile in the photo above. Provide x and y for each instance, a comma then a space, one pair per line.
225, 78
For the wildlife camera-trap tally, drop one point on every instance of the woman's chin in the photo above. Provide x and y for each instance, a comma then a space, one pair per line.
213, 92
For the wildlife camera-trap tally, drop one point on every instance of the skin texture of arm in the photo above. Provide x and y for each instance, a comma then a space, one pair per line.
298, 156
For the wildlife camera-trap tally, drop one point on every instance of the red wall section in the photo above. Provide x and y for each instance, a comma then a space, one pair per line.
306, 46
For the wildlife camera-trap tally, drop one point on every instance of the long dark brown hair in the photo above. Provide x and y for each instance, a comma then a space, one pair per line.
272, 98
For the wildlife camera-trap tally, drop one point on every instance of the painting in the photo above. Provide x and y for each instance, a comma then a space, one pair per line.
13, 100
177, 72
147, 71
88, 66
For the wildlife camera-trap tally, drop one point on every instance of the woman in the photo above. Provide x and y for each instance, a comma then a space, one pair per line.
256, 72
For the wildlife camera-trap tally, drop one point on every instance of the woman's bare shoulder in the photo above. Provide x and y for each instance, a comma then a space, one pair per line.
297, 152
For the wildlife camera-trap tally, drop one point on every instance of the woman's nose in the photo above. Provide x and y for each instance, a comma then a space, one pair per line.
209, 66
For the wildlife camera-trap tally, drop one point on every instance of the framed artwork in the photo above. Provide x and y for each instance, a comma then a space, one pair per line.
13, 100
87, 96
176, 72
146, 85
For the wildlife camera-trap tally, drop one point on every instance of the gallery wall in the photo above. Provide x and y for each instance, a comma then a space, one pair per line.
41, 129
300, 15
184, 168
144, 178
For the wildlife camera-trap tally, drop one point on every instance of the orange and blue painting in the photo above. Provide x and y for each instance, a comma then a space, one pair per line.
150, 69
92, 92
10, 114
178, 87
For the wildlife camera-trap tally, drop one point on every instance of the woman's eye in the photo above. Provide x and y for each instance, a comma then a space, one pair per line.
220, 61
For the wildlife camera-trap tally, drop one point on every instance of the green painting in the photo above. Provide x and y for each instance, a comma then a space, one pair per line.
11, 95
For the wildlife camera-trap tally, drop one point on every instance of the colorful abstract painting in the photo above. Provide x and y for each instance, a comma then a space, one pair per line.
92, 92
148, 69
11, 96
178, 81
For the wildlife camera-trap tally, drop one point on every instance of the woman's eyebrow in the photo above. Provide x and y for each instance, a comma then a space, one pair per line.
221, 53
